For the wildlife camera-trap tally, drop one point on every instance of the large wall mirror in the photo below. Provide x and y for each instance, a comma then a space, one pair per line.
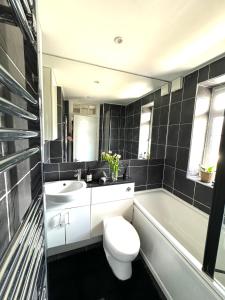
95, 116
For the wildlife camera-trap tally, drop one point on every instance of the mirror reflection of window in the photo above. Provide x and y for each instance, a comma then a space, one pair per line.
145, 131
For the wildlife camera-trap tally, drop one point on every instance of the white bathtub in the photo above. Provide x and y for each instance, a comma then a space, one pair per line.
172, 235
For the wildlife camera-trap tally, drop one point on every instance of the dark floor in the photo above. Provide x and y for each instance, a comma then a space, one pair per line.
87, 276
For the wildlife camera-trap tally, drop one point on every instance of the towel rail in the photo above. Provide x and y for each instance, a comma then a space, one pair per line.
14, 86
8, 134
22, 20
9, 161
24, 259
14, 110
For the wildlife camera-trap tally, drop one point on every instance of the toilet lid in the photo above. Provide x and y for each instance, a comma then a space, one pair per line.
122, 236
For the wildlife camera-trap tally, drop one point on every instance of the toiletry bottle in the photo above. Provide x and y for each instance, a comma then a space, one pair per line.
88, 176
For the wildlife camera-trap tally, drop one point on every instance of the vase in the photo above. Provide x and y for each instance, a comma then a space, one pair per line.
114, 176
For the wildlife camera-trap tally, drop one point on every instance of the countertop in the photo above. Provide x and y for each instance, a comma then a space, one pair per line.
109, 182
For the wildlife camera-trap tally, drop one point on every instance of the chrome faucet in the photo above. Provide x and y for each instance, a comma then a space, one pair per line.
77, 174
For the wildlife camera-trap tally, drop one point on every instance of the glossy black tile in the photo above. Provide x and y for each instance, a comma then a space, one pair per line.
164, 111
185, 135
203, 74
92, 270
165, 100
183, 197
155, 174
115, 110
190, 84
161, 149
184, 185
135, 146
137, 107
171, 153
156, 116
115, 122
155, 134
162, 135
203, 208
53, 176
177, 96
135, 135
173, 131
203, 194
114, 133
217, 68
169, 173
139, 175
136, 120
154, 151
154, 186
140, 188
182, 158
175, 110
138, 162
187, 112
168, 188
53, 167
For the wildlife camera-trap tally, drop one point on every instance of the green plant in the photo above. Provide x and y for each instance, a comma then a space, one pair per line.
113, 161
207, 169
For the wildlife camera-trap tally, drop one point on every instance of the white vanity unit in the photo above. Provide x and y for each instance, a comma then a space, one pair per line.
67, 218
75, 213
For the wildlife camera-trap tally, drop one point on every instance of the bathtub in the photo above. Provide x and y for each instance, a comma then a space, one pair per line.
172, 235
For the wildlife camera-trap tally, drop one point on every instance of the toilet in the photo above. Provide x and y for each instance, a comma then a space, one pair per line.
121, 245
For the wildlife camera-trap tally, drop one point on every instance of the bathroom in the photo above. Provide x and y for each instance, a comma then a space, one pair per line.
112, 162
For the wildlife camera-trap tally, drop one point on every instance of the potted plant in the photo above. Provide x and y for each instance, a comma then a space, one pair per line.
206, 174
113, 161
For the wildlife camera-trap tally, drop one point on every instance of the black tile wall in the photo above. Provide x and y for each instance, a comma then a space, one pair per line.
115, 128
147, 174
179, 138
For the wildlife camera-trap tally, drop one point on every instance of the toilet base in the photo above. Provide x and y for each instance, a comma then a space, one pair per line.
122, 270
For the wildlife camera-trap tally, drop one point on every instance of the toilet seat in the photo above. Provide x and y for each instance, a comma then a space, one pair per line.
122, 238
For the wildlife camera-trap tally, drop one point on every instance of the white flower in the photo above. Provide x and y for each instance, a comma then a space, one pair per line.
118, 155
110, 152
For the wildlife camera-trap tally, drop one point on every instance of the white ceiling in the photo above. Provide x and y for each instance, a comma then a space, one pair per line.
162, 38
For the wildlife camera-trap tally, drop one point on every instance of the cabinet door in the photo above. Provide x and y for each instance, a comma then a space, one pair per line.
77, 222
111, 209
55, 228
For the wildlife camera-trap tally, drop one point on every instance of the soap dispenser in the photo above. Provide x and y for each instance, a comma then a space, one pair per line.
88, 176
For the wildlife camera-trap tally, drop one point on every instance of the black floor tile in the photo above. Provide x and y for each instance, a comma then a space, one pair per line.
87, 276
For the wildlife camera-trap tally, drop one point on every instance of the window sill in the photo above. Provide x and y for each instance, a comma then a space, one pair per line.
197, 179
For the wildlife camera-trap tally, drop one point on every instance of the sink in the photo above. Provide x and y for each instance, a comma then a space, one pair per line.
64, 191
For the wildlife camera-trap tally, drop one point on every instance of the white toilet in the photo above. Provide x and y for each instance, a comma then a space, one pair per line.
121, 244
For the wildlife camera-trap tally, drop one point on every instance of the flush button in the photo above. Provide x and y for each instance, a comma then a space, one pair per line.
128, 189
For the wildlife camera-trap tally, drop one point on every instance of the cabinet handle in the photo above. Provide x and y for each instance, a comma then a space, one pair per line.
60, 220
68, 218
128, 189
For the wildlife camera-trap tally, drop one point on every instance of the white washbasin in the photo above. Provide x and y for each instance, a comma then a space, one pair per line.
64, 191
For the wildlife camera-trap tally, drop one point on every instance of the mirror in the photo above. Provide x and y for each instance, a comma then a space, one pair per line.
86, 122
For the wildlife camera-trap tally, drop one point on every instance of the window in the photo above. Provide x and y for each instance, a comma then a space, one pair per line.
207, 128
145, 131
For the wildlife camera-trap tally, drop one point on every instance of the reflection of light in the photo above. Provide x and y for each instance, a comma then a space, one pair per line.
202, 106
135, 90
219, 102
